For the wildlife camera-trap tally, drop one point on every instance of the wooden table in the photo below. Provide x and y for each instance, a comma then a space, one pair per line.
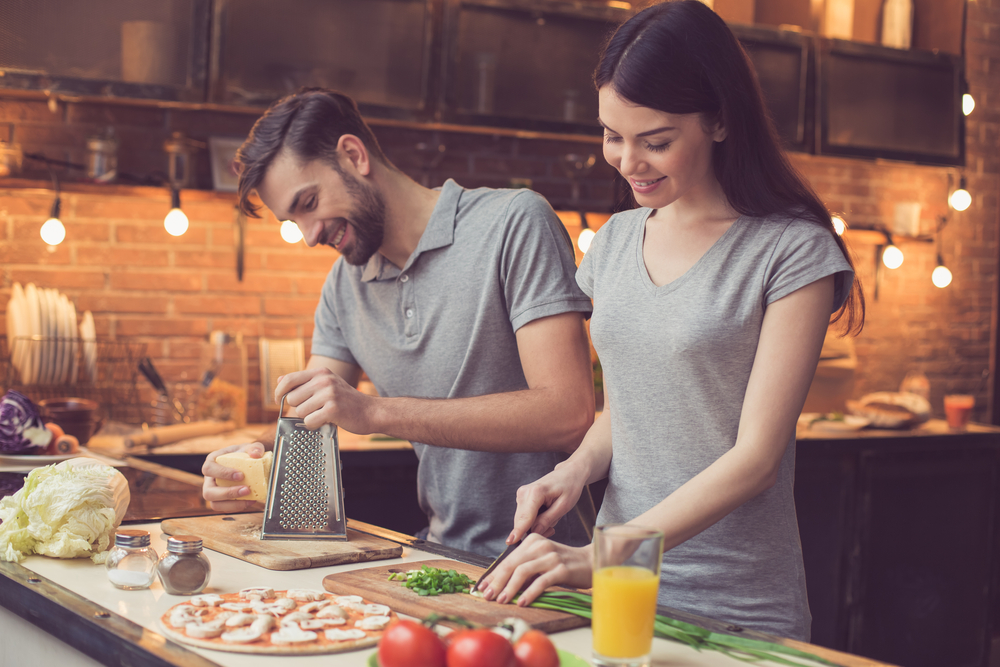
73, 601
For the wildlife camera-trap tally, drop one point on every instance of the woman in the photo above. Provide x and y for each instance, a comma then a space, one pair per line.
711, 302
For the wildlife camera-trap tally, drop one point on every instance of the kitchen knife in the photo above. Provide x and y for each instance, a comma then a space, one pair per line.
506, 552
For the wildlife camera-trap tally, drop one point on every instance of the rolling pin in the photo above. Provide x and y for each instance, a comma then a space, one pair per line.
164, 435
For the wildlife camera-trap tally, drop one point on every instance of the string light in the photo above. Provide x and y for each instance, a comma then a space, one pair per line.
291, 232
586, 235
176, 223
941, 276
838, 224
53, 231
968, 104
892, 257
960, 199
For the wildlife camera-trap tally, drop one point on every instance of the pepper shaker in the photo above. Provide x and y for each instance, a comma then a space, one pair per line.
131, 562
184, 569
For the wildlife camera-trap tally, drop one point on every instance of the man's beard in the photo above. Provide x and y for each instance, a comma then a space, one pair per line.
367, 221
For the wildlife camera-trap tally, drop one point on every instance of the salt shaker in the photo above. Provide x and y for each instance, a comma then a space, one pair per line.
184, 569
132, 562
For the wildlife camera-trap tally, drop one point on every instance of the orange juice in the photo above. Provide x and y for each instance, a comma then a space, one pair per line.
624, 606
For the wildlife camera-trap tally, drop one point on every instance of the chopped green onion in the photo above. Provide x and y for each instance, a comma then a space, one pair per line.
433, 581
740, 648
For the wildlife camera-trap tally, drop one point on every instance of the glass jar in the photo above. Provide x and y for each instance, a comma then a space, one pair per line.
132, 562
184, 569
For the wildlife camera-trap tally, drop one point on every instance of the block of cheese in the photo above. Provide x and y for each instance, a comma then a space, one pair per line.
256, 473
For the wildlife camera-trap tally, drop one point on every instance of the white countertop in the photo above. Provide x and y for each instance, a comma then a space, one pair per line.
229, 575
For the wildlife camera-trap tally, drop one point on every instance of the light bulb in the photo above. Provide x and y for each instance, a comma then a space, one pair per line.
968, 104
960, 199
583, 241
176, 223
53, 231
838, 224
892, 257
941, 276
290, 232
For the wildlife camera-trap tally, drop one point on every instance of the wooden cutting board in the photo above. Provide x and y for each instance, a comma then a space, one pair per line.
372, 584
238, 535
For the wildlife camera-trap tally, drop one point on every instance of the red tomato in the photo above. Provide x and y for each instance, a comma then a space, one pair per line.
535, 649
480, 648
410, 644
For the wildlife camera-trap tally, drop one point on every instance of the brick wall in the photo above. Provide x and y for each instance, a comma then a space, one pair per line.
143, 285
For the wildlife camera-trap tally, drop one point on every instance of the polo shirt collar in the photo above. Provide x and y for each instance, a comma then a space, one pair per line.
439, 233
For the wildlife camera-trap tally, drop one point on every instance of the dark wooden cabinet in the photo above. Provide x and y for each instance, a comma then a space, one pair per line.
899, 536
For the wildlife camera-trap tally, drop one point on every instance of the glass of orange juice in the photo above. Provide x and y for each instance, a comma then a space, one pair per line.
626, 581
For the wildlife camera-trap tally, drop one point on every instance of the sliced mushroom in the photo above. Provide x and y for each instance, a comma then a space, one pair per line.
374, 609
321, 623
210, 600
293, 634
246, 635
333, 611
313, 607
207, 630
304, 594
373, 622
257, 593
240, 619
279, 607
296, 616
183, 615
347, 600
338, 635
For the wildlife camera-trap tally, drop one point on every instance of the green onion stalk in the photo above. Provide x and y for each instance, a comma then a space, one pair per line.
740, 648
434, 581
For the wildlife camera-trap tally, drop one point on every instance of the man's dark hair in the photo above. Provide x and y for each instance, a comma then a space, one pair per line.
309, 124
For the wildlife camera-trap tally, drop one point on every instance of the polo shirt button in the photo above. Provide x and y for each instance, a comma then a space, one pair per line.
404, 278
409, 312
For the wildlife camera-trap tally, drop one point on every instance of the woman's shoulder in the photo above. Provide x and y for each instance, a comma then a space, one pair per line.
624, 222
791, 225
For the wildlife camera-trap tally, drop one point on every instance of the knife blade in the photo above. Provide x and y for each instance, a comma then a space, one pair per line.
506, 552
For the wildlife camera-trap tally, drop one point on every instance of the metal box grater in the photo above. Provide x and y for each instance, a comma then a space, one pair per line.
305, 497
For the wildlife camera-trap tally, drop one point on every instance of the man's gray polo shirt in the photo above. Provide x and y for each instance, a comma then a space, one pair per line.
489, 262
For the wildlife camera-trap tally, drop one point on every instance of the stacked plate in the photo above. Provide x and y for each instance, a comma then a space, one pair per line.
46, 345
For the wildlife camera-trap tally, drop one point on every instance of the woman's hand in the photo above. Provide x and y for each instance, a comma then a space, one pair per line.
226, 498
557, 492
542, 563
321, 396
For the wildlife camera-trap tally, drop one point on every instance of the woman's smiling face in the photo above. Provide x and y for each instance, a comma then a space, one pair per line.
663, 156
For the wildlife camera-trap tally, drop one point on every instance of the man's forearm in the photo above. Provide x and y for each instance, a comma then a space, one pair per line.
530, 420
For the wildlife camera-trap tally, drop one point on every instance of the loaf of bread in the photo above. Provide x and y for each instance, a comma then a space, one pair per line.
256, 473
892, 409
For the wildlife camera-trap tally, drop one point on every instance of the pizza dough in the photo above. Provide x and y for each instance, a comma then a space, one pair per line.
262, 620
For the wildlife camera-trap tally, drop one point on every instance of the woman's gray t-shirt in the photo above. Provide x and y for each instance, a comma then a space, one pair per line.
676, 361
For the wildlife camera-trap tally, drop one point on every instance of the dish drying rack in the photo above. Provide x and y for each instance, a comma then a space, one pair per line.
101, 370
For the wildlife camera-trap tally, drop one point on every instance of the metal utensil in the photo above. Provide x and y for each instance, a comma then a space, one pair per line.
506, 552
149, 371
304, 496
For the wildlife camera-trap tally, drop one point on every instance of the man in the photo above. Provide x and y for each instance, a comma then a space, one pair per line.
460, 305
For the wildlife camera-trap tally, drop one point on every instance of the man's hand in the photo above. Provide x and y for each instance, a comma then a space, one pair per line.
226, 498
321, 396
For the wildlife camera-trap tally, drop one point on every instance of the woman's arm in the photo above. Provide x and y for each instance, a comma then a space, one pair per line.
791, 338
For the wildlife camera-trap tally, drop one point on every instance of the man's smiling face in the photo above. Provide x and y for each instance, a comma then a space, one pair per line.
329, 205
